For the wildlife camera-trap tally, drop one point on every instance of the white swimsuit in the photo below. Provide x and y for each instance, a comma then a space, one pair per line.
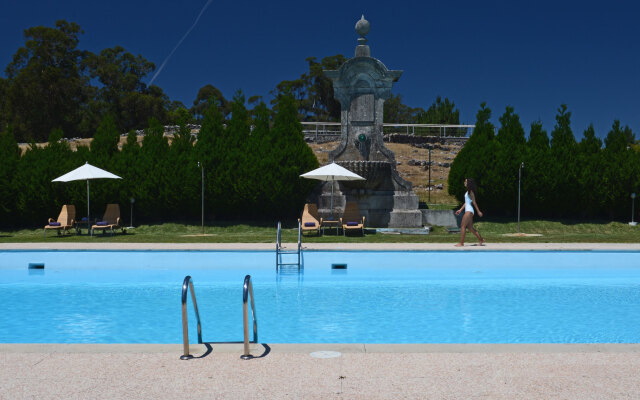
468, 207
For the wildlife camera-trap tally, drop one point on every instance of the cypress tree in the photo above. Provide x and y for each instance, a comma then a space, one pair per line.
262, 166
9, 157
153, 186
564, 182
502, 174
535, 180
209, 151
292, 157
475, 157
126, 164
238, 157
184, 174
103, 148
590, 177
619, 172
37, 197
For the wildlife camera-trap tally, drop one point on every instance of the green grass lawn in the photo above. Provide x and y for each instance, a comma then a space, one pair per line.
492, 230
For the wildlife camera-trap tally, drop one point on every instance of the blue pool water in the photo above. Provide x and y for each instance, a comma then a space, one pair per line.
382, 297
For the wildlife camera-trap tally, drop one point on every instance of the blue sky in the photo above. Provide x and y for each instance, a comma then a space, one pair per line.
533, 55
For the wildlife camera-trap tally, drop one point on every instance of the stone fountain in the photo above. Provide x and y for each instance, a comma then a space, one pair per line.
361, 85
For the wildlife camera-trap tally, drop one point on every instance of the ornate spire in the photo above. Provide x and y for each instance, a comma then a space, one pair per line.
362, 28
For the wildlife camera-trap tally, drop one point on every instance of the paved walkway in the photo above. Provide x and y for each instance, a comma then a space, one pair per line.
290, 371
321, 246
360, 371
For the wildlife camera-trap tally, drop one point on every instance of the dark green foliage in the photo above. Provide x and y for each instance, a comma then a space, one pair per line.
123, 92
619, 165
37, 198
324, 106
535, 175
49, 85
237, 157
561, 178
291, 157
209, 151
152, 191
46, 88
590, 175
441, 112
9, 158
202, 101
501, 178
397, 112
475, 158
105, 141
563, 188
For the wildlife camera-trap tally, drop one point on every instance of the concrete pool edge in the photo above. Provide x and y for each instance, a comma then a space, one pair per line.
327, 246
259, 349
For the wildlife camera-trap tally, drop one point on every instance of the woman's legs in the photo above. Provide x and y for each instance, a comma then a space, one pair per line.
467, 220
475, 232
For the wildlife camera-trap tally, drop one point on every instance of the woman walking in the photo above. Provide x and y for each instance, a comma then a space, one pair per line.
467, 217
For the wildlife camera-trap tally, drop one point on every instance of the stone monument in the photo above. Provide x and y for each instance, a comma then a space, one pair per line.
361, 85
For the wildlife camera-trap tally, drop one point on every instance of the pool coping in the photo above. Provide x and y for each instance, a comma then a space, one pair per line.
260, 348
327, 246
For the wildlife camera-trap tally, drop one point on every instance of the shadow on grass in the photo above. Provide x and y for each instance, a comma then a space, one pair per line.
569, 222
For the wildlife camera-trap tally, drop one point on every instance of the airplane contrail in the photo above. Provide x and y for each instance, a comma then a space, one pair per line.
179, 43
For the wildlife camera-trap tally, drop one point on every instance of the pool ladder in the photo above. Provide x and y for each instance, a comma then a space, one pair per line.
281, 250
247, 291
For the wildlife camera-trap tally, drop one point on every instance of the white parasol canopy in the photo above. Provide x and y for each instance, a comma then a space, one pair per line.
87, 171
331, 173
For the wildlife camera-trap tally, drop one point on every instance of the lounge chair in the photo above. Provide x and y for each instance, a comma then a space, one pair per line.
310, 221
66, 220
110, 220
352, 221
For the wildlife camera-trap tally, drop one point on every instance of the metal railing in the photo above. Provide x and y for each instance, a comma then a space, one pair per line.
247, 290
280, 250
333, 129
188, 285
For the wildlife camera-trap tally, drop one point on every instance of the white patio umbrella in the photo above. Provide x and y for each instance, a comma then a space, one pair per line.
331, 173
87, 171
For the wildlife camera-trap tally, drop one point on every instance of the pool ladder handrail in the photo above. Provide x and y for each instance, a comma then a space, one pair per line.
187, 284
281, 250
247, 290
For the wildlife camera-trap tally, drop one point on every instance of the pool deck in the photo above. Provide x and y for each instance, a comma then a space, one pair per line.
361, 371
326, 246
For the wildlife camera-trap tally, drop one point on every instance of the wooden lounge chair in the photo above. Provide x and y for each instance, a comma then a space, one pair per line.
352, 221
310, 221
110, 220
66, 220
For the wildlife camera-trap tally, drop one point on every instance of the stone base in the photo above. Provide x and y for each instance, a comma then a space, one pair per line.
405, 219
381, 209
440, 218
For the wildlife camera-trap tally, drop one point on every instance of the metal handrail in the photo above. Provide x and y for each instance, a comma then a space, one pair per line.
279, 245
188, 285
279, 236
247, 289
299, 241
322, 128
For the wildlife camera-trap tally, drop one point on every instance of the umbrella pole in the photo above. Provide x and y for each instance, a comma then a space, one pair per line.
331, 202
88, 219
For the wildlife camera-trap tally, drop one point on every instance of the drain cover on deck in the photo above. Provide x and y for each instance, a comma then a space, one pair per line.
325, 354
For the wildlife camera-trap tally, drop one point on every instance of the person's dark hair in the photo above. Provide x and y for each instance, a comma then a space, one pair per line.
471, 186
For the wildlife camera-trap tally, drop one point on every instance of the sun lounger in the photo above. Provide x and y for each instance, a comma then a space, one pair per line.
352, 221
310, 221
65, 220
110, 220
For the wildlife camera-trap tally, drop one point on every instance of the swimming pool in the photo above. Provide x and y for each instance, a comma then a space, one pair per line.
382, 297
